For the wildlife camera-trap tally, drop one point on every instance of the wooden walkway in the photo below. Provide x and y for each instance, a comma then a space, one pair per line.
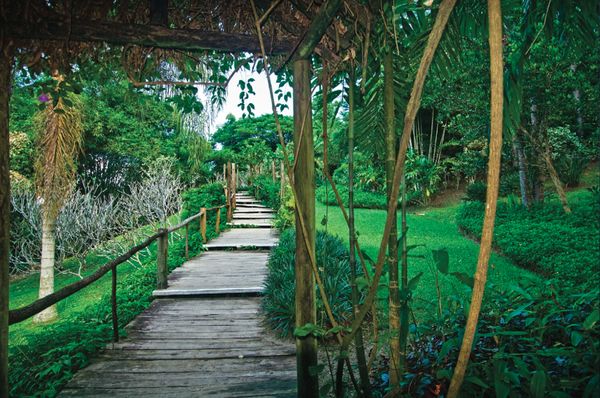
203, 335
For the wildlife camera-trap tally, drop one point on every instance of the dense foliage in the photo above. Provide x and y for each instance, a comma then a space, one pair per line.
544, 239
535, 338
278, 301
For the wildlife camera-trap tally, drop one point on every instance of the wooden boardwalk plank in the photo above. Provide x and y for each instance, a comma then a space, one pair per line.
192, 341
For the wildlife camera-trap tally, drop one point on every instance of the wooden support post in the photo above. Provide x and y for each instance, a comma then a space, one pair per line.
304, 181
5, 86
233, 185
225, 172
281, 180
218, 222
161, 259
203, 224
187, 241
273, 172
113, 301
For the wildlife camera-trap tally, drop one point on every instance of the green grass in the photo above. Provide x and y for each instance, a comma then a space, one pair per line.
435, 228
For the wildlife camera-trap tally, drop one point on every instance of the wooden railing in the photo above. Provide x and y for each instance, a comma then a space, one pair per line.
162, 236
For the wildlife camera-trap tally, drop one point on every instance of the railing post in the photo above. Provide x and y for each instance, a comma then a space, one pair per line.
115, 319
234, 185
187, 241
161, 259
218, 222
203, 224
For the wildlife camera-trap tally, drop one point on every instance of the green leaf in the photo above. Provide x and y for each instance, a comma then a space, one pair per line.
305, 330
412, 283
576, 338
441, 258
591, 319
538, 384
464, 278
477, 381
362, 283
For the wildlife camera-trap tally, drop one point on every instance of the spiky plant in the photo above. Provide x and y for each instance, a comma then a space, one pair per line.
60, 129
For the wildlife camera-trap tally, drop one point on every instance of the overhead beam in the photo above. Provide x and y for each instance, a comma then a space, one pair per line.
317, 28
143, 35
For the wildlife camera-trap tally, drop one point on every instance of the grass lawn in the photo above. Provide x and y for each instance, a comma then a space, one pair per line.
435, 228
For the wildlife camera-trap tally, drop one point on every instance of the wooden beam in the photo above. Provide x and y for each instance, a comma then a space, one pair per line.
143, 35
5, 85
317, 28
304, 181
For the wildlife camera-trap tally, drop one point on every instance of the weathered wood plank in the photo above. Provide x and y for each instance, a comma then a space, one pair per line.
203, 345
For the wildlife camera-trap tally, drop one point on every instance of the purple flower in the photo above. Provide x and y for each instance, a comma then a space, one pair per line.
44, 97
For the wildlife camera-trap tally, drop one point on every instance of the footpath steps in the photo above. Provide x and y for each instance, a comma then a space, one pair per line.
203, 335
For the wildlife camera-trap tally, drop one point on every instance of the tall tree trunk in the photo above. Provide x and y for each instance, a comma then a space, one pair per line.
304, 182
395, 370
556, 181
522, 166
47, 268
5, 86
358, 339
493, 182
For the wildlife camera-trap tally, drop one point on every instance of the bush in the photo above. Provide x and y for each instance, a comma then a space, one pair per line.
476, 192
278, 300
534, 339
544, 238
362, 199
267, 191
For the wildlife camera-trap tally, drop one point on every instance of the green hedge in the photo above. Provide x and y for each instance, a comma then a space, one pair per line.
544, 238
278, 300
362, 199
209, 195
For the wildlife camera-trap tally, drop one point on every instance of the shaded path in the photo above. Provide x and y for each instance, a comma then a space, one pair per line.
203, 335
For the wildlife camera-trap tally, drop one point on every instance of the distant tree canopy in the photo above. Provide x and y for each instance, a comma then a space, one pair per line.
235, 133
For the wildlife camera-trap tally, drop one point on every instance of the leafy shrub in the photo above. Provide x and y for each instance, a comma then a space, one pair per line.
285, 215
476, 191
278, 300
362, 199
267, 191
544, 239
534, 339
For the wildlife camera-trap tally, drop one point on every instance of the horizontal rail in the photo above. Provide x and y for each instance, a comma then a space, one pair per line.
20, 314
192, 218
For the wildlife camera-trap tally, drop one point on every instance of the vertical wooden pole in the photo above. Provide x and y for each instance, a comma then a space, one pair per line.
161, 259
233, 185
115, 319
282, 180
5, 85
187, 241
218, 222
304, 180
273, 172
203, 224
224, 172
229, 192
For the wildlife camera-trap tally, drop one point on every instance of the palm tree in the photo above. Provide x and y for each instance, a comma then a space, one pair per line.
60, 125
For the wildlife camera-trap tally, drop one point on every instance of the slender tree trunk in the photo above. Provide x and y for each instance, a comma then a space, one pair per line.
522, 166
395, 371
47, 268
404, 309
493, 182
558, 185
5, 86
304, 181
358, 339
431, 135
577, 96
